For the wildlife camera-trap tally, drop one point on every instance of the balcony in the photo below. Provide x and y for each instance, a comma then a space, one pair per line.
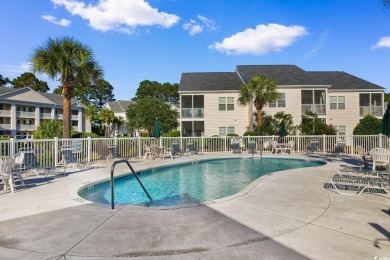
372, 110
45, 115
25, 114
5, 126
192, 112
61, 117
319, 109
21, 127
5, 112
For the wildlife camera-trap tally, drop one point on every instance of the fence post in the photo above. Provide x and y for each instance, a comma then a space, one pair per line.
380, 140
55, 151
12, 152
202, 144
116, 140
89, 149
352, 145
324, 143
225, 143
139, 147
298, 143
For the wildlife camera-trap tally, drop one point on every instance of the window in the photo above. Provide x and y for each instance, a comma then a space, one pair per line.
223, 130
225, 103
279, 102
341, 129
337, 102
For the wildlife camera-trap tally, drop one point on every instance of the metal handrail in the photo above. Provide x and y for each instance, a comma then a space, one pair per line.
112, 180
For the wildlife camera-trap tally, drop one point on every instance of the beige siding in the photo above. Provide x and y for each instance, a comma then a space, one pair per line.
293, 105
348, 117
213, 118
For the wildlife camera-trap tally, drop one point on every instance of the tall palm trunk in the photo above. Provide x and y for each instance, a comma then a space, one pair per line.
259, 109
67, 93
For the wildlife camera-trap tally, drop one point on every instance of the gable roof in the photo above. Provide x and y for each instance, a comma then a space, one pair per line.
210, 81
31, 96
288, 75
119, 106
293, 75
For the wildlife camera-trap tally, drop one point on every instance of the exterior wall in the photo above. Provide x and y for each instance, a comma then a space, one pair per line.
213, 118
349, 116
293, 104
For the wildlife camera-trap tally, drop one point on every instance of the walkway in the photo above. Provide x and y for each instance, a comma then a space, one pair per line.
283, 215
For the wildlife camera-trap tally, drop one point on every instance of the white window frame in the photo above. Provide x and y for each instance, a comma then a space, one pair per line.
337, 103
340, 128
280, 101
226, 103
225, 130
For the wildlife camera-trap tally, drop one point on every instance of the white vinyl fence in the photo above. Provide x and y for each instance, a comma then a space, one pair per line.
48, 152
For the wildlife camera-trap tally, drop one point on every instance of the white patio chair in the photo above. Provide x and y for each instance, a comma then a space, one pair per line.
147, 152
7, 163
291, 147
380, 157
275, 147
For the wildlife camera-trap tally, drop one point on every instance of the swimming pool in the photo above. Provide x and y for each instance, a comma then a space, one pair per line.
190, 183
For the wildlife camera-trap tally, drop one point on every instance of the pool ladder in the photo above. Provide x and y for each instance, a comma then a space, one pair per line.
112, 180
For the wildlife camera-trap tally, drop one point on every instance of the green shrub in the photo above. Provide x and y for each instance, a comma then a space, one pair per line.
250, 133
232, 135
174, 133
368, 125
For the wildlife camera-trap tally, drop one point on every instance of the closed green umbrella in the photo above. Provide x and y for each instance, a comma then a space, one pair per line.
282, 130
156, 130
385, 124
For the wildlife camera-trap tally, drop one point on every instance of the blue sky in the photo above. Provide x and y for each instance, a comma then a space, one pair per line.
136, 40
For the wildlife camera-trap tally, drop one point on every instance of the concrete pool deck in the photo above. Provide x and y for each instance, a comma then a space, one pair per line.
288, 214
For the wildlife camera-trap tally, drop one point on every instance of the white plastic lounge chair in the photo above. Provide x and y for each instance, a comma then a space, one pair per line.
290, 147
147, 152
275, 147
380, 157
7, 163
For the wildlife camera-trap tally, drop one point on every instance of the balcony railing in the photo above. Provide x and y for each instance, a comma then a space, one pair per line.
61, 117
46, 115
25, 114
22, 127
372, 110
319, 109
5, 112
192, 112
5, 126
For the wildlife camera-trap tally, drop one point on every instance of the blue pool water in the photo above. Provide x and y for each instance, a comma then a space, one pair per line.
190, 183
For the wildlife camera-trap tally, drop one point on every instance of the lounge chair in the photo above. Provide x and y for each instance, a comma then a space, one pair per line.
30, 163
190, 149
7, 163
339, 148
68, 159
290, 147
275, 147
147, 152
175, 149
252, 147
113, 153
235, 145
380, 157
313, 146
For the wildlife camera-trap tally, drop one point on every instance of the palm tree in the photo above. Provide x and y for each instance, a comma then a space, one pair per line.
69, 61
118, 120
260, 90
107, 116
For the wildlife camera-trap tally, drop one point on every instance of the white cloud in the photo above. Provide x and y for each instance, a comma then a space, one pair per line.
54, 20
15, 69
118, 15
262, 39
195, 27
383, 42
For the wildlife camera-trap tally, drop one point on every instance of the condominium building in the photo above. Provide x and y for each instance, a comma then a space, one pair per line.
208, 100
22, 110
